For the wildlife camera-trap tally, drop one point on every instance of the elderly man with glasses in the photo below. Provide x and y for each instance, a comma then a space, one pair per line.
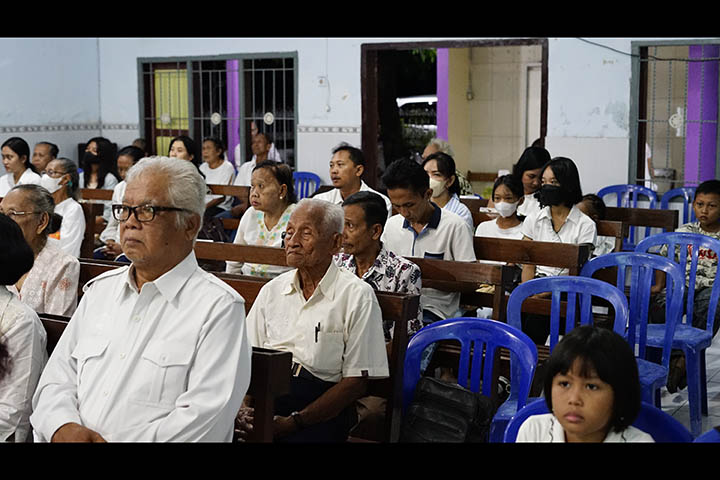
156, 351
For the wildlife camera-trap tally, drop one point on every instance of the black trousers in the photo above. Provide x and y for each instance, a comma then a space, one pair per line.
304, 390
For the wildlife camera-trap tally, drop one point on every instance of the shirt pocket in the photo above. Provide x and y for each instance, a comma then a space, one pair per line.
87, 354
327, 355
164, 368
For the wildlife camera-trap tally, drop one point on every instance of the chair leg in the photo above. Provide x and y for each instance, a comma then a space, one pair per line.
695, 390
703, 383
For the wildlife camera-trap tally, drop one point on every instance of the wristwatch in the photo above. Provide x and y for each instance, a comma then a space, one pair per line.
298, 421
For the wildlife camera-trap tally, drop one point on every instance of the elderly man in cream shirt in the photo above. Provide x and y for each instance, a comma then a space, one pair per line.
330, 321
157, 351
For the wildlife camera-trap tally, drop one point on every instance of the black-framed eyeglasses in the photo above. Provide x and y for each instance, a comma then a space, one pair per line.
143, 213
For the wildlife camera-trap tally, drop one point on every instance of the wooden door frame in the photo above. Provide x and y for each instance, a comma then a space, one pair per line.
369, 84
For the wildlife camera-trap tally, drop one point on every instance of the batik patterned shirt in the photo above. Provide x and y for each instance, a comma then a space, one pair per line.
707, 259
389, 273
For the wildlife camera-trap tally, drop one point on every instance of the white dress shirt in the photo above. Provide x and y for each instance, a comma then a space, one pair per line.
337, 333
578, 229
26, 340
529, 205
7, 181
546, 428
334, 196
224, 174
245, 169
168, 363
112, 229
72, 230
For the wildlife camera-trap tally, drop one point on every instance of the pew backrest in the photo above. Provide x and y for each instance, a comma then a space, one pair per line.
550, 254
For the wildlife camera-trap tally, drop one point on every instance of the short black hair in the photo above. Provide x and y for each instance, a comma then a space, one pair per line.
596, 204
512, 182
612, 358
532, 158
406, 173
268, 137
566, 173
191, 147
373, 206
132, 151
708, 186
107, 153
356, 155
20, 147
16, 256
446, 167
54, 150
283, 174
219, 145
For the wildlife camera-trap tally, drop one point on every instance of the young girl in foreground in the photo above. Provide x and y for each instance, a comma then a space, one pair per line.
592, 389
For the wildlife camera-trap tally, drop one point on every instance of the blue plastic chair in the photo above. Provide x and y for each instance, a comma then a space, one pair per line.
711, 436
627, 196
586, 288
306, 183
652, 420
692, 341
477, 335
688, 195
642, 266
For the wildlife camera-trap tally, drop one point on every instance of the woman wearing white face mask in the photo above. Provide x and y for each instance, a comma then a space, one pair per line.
508, 196
440, 167
61, 179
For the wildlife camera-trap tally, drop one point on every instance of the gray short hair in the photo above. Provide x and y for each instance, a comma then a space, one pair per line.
442, 146
332, 217
186, 187
42, 202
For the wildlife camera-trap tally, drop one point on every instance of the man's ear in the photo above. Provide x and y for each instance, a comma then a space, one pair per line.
376, 231
193, 226
336, 244
359, 170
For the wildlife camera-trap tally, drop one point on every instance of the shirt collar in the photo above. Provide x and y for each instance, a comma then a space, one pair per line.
326, 285
432, 223
573, 216
169, 283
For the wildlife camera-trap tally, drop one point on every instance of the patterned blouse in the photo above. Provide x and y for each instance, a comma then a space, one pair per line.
389, 273
253, 231
51, 285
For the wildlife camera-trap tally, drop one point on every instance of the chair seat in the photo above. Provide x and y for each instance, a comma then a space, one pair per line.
685, 335
651, 375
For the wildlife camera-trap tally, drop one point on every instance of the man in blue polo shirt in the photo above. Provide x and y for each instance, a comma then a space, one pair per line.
422, 229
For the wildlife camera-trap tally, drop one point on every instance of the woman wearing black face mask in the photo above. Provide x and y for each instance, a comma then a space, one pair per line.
99, 170
558, 220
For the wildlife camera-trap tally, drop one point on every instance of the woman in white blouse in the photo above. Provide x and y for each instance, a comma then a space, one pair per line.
272, 201
61, 179
440, 167
23, 335
16, 160
217, 171
51, 285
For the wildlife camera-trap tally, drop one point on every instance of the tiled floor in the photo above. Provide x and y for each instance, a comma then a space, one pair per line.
676, 404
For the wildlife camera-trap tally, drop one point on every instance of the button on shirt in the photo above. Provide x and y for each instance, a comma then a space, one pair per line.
336, 333
578, 229
445, 237
334, 196
156, 365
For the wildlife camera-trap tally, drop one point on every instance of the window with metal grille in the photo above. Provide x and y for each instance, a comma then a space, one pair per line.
220, 97
674, 113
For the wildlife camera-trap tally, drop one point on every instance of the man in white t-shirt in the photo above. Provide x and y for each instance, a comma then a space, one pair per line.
346, 168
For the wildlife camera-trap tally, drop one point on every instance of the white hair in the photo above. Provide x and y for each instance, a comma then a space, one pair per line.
186, 187
442, 146
332, 218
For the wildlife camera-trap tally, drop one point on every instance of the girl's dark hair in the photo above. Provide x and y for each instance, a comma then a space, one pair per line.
532, 158
192, 149
284, 176
16, 256
132, 151
596, 204
446, 167
218, 144
512, 182
567, 175
42, 202
611, 357
107, 155
20, 147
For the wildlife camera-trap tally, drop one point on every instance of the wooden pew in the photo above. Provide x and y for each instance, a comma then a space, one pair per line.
481, 176
91, 211
396, 307
551, 254
644, 217
241, 193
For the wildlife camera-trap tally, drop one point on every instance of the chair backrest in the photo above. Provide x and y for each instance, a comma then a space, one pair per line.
476, 336
687, 194
692, 243
642, 268
627, 196
305, 184
711, 436
652, 420
585, 287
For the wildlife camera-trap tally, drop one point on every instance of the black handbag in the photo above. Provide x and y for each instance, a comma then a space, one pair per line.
443, 412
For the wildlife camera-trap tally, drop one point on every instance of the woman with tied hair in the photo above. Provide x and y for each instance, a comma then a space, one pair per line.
185, 148
22, 334
16, 160
61, 179
51, 285
272, 201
